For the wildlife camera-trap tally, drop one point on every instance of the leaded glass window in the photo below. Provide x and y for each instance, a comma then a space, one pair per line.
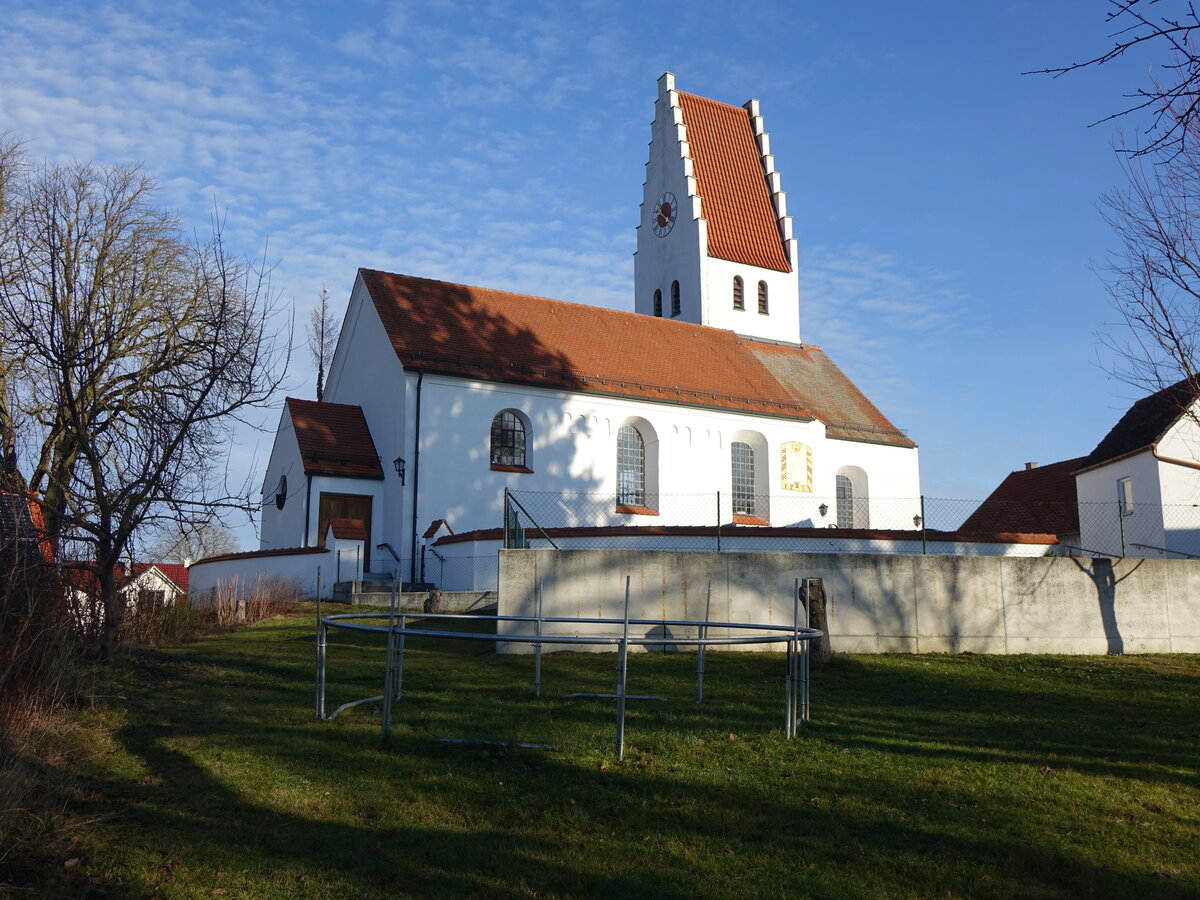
743, 478
845, 502
508, 439
631, 467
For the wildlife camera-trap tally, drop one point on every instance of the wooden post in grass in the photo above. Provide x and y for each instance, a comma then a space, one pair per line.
814, 602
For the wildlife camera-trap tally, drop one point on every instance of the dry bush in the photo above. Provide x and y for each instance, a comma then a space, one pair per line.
39, 649
230, 605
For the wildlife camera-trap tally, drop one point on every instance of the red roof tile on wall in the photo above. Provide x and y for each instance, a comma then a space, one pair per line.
334, 439
742, 222
493, 335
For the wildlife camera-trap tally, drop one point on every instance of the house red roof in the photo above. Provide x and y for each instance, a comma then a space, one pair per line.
334, 439
174, 572
742, 222
1038, 500
1145, 423
495, 335
348, 529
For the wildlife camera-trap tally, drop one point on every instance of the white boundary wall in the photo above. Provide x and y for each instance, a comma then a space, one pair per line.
882, 603
205, 576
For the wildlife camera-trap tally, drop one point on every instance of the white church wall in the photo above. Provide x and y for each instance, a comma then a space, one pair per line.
365, 371
1104, 529
283, 527
572, 448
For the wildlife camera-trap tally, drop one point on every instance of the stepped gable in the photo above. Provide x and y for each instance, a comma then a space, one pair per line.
1039, 500
807, 372
494, 335
743, 225
1144, 424
334, 439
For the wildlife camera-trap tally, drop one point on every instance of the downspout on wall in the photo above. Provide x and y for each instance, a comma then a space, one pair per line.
412, 562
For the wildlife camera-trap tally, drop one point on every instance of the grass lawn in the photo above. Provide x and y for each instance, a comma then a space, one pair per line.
205, 774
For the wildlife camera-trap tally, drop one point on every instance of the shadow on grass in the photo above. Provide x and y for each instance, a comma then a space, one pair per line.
912, 780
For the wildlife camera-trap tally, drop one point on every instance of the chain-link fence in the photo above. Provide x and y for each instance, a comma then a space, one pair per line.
716, 521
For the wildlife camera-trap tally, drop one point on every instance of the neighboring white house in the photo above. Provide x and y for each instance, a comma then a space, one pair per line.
160, 584
1139, 490
1136, 494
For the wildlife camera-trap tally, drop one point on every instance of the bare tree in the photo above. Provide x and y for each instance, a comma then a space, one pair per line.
322, 332
188, 539
1154, 276
1173, 98
130, 352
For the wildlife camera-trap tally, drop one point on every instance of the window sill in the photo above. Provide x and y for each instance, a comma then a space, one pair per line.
524, 470
750, 520
636, 510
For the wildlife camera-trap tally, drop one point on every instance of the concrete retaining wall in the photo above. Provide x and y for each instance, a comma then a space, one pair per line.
880, 603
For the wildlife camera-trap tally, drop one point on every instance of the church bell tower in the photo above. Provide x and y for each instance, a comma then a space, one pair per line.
714, 241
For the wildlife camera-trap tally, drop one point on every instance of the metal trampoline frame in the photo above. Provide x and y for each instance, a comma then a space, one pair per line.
796, 678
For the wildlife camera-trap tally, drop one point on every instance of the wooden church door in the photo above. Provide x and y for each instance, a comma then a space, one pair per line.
346, 506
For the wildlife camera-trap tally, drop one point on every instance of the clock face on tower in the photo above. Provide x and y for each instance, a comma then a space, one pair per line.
663, 214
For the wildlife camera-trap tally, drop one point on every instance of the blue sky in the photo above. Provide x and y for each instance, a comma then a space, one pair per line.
946, 205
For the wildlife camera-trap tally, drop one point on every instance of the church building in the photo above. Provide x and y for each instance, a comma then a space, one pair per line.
440, 396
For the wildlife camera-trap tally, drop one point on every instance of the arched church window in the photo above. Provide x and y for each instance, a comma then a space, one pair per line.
762, 297
739, 293
631, 467
675, 309
281, 492
845, 502
853, 498
508, 439
658, 303
742, 455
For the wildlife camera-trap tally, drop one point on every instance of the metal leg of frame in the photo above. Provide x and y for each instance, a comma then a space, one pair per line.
703, 634
622, 669
807, 657
537, 648
322, 636
398, 669
385, 715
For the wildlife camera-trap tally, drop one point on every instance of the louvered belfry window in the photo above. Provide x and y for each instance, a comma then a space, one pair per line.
658, 303
743, 478
762, 297
739, 293
508, 440
675, 307
631, 467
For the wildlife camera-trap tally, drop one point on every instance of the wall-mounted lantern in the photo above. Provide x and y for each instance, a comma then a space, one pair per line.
399, 463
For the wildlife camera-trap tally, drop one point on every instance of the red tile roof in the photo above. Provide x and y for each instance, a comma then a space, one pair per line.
334, 439
742, 221
348, 529
1145, 423
174, 572
1041, 500
494, 335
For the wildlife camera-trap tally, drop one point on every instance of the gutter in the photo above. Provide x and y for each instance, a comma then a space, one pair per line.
412, 562
1190, 464
307, 507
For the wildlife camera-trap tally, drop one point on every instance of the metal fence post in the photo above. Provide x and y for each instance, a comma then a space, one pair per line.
718, 521
537, 647
924, 526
